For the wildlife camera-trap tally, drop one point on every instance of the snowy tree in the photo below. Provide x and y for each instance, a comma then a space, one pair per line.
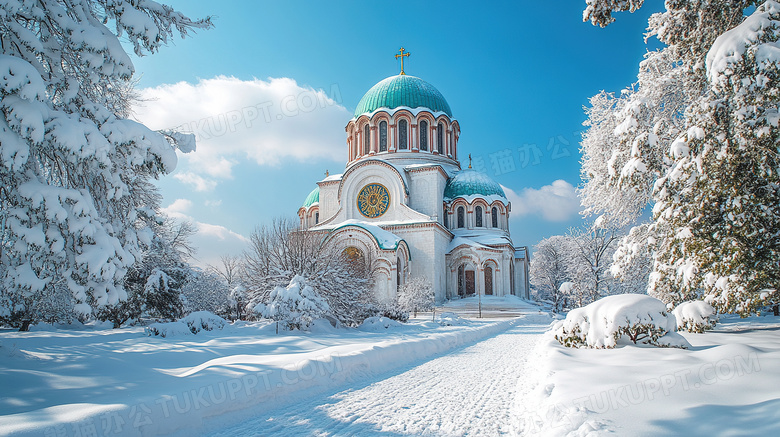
237, 300
699, 133
591, 261
416, 295
205, 291
550, 268
296, 306
73, 217
230, 269
280, 252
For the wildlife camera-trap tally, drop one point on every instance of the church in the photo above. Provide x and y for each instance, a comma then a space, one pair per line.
404, 206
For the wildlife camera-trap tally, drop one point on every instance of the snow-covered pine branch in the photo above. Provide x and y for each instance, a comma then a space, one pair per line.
699, 132
72, 168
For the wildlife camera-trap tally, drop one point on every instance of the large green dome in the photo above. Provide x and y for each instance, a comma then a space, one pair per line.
470, 182
402, 90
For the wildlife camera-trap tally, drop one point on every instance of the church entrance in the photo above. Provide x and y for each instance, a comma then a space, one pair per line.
488, 280
469, 282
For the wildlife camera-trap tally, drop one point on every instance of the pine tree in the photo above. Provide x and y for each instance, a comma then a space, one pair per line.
73, 216
699, 133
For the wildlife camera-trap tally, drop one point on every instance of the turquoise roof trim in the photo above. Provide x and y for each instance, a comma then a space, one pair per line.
402, 90
470, 182
386, 240
312, 198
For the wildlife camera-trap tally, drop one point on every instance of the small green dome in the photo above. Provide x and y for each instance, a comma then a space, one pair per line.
312, 198
470, 182
402, 90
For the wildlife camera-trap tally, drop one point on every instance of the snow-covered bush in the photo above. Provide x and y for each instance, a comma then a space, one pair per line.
695, 316
295, 306
393, 311
192, 324
280, 251
618, 320
378, 324
451, 319
416, 295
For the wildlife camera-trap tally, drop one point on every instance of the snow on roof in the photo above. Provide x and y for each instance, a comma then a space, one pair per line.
385, 239
730, 47
333, 177
459, 241
483, 237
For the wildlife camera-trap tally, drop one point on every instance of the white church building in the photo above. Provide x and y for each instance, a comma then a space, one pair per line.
404, 202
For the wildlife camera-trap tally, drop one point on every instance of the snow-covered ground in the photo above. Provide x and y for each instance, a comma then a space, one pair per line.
72, 381
498, 376
467, 392
727, 384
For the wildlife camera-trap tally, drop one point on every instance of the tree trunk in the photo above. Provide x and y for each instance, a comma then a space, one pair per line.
776, 309
25, 325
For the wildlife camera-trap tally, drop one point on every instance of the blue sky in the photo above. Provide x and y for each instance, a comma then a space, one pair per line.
516, 75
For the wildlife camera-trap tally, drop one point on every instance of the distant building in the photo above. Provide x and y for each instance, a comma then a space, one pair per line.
404, 202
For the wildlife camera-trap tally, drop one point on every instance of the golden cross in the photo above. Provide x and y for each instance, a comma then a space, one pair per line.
327, 173
402, 55
469, 160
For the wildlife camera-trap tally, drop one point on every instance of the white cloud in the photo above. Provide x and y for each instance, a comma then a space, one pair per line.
235, 120
211, 240
557, 202
198, 182
178, 207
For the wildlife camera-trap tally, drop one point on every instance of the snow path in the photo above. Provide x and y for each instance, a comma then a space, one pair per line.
469, 391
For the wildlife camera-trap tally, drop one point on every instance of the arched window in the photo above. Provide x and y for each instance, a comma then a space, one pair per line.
366, 140
488, 280
494, 217
461, 217
383, 136
353, 258
424, 135
403, 135
444, 216
316, 217
440, 138
478, 216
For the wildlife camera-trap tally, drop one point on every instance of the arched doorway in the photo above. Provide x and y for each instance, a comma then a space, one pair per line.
488, 280
466, 281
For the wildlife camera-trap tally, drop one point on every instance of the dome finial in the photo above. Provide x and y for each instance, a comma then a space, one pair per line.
327, 173
469, 160
402, 56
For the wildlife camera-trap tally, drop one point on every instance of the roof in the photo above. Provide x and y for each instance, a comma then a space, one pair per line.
469, 182
312, 198
402, 90
385, 239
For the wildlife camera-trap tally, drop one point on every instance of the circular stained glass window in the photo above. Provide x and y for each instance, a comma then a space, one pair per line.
373, 200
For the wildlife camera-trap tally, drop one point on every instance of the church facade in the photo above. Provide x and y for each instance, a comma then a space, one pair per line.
404, 206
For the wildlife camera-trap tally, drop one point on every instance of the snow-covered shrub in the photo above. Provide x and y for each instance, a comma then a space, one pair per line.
416, 295
192, 324
451, 319
393, 311
617, 320
378, 324
295, 306
695, 316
